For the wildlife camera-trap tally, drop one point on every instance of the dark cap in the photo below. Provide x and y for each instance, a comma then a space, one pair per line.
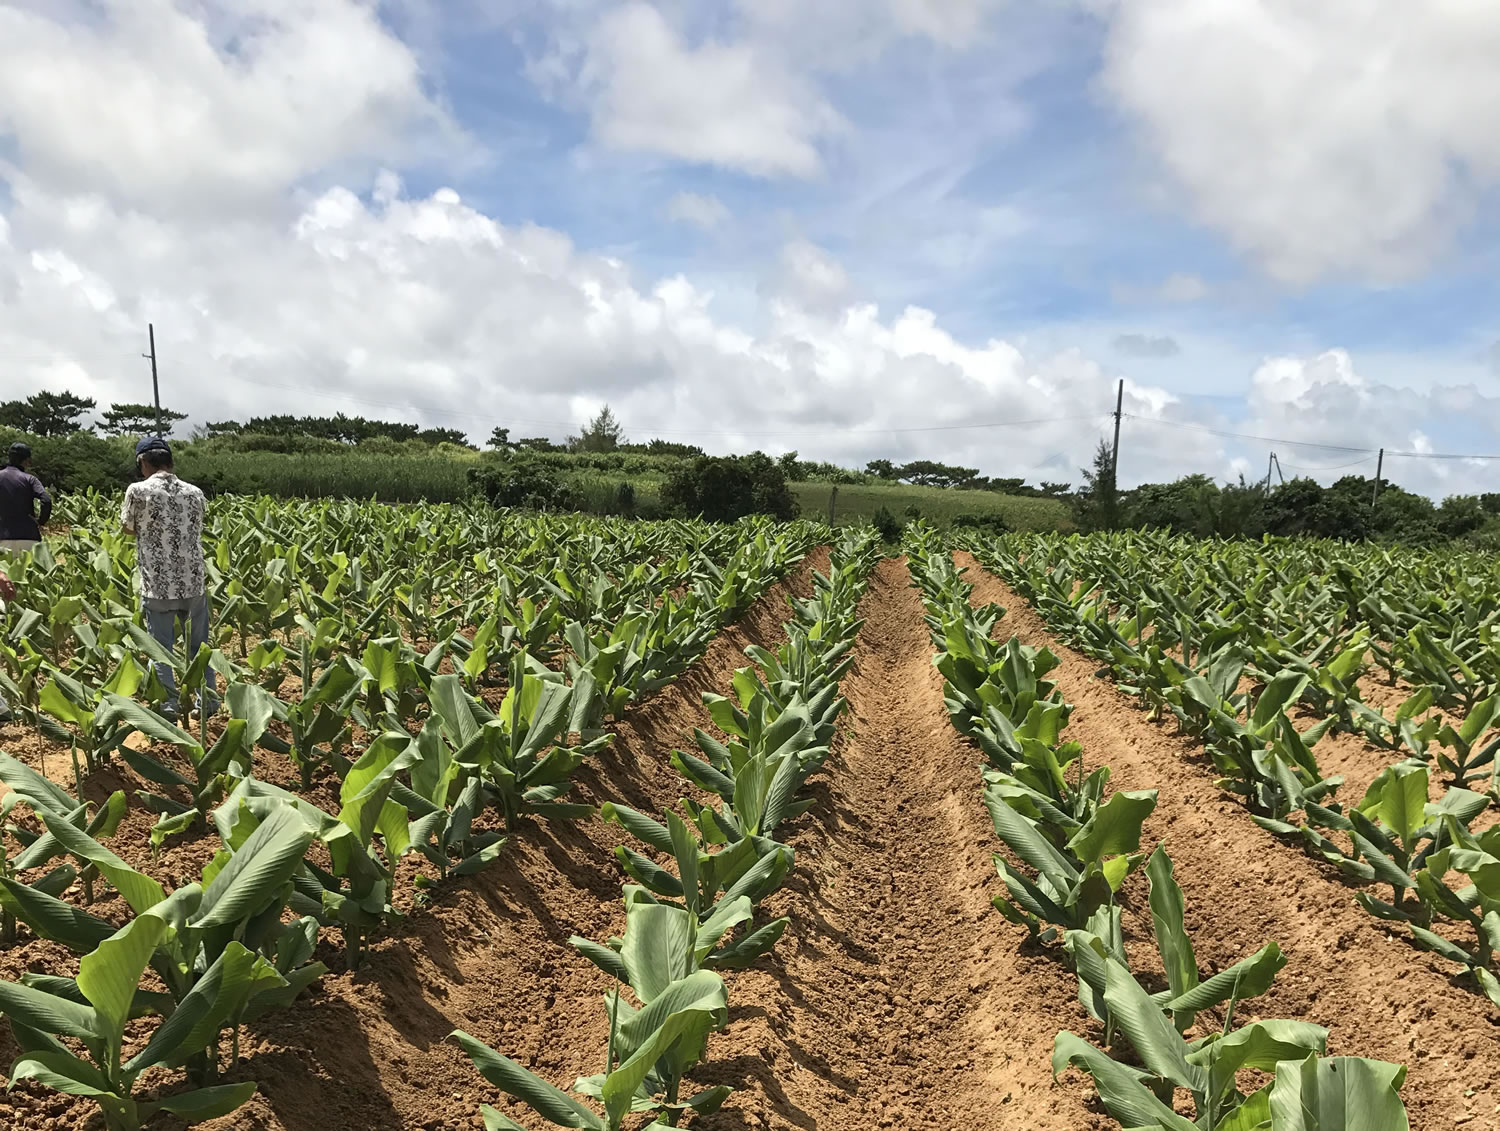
153, 444
19, 453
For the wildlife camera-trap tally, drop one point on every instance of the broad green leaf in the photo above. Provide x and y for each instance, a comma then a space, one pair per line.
139, 890
1338, 1094
546, 1100
1115, 827
208, 1103
109, 976
1120, 1087
658, 947
1168, 907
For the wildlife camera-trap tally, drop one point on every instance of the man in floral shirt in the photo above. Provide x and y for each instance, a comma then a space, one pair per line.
166, 517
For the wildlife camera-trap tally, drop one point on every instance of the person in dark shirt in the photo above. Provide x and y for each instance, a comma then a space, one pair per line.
20, 525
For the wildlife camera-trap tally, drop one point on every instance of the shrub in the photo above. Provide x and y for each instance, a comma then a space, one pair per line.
521, 482
726, 488
992, 522
887, 525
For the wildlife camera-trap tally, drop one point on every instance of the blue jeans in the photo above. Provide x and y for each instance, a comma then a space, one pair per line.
161, 622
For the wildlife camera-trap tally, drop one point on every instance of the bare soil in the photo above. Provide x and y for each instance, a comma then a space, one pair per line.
1378, 996
899, 997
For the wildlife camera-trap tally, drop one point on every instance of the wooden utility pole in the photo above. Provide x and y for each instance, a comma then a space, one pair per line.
1270, 461
1379, 467
155, 387
833, 498
1114, 459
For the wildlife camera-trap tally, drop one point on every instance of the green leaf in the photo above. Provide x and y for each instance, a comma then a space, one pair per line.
140, 891
52, 918
1262, 1045
257, 873
109, 976
1160, 1047
1247, 978
62, 1072
48, 1013
208, 1103
546, 1100
1338, 1094
1168, 907
1403, 803
658, 949
1114, 828
1120, 1087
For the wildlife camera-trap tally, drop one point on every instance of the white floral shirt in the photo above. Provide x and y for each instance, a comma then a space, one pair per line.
167, 517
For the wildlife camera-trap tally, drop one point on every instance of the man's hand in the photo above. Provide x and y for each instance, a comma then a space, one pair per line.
7, 588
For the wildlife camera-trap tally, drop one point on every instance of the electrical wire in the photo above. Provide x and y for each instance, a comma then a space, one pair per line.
1333, 467
1367, 453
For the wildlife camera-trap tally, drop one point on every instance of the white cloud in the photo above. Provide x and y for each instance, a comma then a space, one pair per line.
1344, 136
701, 211
720, 103
194, 110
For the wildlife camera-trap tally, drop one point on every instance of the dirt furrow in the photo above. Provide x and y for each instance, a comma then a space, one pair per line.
899, 997
1378, 996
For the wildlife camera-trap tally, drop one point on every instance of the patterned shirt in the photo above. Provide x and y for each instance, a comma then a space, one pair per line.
167, 517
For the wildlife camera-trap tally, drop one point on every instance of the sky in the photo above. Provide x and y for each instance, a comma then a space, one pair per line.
857, 229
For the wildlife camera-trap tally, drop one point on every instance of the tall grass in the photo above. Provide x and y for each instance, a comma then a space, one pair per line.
939, 505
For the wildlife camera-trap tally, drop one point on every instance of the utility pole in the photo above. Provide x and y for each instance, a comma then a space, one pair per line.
1114, 459
833, 499
155, 387
1379, 467
1270, 460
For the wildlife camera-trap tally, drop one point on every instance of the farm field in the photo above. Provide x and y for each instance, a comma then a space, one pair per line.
750, 827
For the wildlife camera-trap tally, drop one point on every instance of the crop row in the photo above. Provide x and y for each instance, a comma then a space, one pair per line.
693, 917
1073, 846
1233, 684
240, 942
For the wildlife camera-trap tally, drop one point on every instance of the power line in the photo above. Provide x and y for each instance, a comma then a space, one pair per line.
1366, 452
1247, 435
1332, 467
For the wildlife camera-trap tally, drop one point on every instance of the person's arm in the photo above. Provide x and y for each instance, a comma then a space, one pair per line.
41, 493
127, 513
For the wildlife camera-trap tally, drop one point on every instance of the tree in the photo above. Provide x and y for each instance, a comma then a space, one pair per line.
1099, 500
882, 469
791, 467
1054, 490
725, 488
130, 419
603, 434
435, 436
46, 413
500, 440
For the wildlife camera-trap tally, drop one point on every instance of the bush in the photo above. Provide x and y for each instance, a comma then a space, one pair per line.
726, 488
522, 482
992, 522
625, 498
77, 461
887, 525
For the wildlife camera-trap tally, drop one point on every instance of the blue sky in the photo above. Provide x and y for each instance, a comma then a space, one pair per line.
1274, 222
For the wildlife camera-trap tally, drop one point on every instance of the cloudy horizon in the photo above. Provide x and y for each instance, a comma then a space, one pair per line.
900, 229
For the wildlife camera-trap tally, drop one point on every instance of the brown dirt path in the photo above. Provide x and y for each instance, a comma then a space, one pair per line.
1378, 996
490, 954
898, 997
